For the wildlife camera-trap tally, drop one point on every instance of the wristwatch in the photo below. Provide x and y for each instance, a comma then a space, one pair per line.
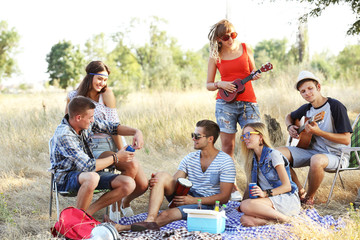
269, 192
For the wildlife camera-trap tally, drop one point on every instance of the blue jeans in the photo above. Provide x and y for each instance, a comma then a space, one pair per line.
229, 114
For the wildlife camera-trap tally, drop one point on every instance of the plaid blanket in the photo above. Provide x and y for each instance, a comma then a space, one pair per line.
233, 229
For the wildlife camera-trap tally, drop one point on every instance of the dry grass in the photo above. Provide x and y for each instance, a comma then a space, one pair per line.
166, 119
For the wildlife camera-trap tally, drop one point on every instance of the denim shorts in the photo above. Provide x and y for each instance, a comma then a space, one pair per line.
229, 114
191, 206
72, 181
100, 145
301, 157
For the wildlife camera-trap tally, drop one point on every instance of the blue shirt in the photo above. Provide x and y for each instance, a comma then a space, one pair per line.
221, 169
70, 151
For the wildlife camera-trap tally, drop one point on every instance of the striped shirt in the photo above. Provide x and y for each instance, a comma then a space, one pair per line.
222, 169
70, 151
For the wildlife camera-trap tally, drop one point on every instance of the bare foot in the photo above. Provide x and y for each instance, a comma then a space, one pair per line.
121, 228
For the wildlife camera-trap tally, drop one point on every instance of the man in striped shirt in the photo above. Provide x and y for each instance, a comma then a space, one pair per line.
212, 173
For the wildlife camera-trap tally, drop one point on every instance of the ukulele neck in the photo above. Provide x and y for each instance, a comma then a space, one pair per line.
250, 77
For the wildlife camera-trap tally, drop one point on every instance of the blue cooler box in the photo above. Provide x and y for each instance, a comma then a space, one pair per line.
205, 220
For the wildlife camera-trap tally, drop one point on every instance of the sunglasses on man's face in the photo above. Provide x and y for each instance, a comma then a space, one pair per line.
226, 37
247, 135
196, 136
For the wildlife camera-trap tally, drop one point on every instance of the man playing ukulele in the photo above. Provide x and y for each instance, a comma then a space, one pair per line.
328, 135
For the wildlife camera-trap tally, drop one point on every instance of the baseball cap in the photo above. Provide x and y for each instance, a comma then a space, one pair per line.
305, 75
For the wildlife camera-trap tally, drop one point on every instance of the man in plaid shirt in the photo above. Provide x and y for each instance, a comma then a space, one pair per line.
76, 169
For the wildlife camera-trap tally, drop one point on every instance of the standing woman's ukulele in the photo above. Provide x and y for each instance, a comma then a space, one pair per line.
240, 84
304, 137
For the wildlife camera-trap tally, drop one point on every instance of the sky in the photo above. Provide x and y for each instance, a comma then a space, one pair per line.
43, 23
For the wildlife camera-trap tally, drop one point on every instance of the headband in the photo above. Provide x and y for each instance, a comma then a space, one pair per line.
99, 74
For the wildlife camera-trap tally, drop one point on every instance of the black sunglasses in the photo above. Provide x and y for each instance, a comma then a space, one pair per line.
196, 136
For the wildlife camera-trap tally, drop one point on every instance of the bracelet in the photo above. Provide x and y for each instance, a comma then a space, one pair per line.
289, 126
216, 85
116, 160
269, 192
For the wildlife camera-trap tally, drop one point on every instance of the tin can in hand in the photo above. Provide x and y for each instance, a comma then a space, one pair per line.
129, 149
251, 186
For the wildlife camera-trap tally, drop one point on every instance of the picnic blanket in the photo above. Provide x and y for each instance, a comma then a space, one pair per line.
233, 228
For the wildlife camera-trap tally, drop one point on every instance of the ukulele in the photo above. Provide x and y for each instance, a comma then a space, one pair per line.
304, 137
240, 84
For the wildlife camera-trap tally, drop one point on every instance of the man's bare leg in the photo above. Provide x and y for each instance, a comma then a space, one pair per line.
164, 186
318, 163
122, 186
88, 182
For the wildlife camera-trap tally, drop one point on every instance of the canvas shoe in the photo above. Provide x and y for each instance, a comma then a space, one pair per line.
236, 196
114, 215
127, 212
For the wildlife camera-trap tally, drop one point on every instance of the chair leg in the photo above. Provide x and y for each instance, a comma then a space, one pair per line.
57, 201
332, 187
307, 177
342, 183
51, 195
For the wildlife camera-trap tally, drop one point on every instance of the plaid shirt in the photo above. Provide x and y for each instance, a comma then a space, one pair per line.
70, 151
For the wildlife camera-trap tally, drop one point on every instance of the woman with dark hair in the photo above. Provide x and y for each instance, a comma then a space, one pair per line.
274, 196
94, 86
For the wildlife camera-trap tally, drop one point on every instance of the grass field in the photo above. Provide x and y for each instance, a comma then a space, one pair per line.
27, 121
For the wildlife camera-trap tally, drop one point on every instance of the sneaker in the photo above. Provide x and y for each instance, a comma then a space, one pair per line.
236, 196
114, 216
127, 212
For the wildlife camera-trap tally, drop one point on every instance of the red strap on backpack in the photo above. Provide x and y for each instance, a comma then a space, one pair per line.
74, 223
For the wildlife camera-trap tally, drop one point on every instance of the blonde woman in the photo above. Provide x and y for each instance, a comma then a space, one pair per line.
274, 197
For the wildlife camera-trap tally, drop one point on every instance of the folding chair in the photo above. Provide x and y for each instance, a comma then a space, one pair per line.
354, 162
53, 188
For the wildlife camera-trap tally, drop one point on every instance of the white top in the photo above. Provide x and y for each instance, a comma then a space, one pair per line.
101, 112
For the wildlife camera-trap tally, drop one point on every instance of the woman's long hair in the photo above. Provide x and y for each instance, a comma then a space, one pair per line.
247, 154
217, 31
86, 84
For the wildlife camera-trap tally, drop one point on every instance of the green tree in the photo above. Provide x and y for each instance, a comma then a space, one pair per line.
349, 61
65, 64
96, 48
321, 5
160, 61
324, 63
125, 69
9, 41
272, 50
156, 59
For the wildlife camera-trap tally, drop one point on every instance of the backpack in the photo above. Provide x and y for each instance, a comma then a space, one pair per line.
74, 224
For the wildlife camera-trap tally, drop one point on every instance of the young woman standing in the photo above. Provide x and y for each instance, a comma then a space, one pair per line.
233, 60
